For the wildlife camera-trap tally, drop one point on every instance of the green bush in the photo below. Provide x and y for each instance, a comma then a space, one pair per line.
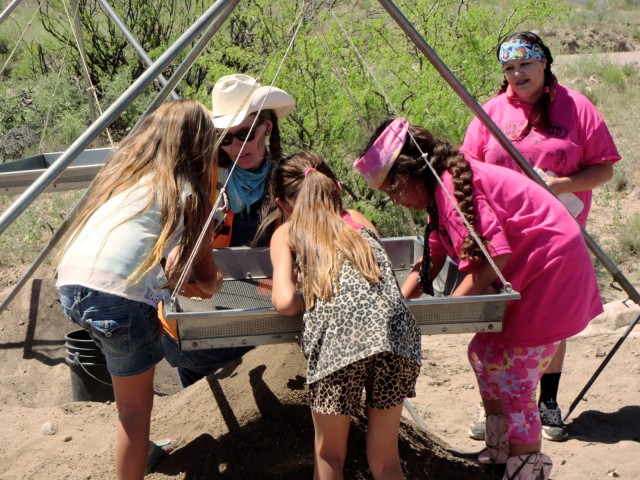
629, 236
614, 77
338, 101
31, 231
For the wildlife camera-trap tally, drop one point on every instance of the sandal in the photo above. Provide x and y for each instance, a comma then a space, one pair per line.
161, 449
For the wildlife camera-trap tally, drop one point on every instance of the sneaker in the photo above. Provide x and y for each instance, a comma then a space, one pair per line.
553, 428
477, 427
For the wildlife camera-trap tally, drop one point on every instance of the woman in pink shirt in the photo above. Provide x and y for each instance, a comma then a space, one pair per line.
559, 132
532, 240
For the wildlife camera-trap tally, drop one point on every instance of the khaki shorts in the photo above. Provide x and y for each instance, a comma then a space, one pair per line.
387, 379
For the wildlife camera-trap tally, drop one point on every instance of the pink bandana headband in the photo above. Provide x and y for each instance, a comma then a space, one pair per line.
520, 49
376, 163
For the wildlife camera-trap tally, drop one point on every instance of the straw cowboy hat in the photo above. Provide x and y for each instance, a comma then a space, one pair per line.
240, 95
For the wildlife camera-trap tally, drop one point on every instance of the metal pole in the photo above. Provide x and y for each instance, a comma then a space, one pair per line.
475, 107
108, 116
175, 78
134, 42
7, 11
416, 418
504, 142
191, 57
604, 363
55, 238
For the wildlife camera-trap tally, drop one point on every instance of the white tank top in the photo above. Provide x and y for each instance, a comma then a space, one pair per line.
112, 245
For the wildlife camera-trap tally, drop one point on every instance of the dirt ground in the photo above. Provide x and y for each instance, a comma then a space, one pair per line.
251, 420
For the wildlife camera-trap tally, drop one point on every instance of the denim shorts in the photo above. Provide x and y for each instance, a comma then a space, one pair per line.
127, 332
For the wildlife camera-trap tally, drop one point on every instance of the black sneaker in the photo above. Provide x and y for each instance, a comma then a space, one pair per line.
553, 428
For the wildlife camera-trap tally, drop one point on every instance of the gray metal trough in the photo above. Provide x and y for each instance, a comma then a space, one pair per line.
18, 175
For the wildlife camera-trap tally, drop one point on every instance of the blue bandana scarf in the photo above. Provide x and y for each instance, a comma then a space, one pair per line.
520, 49
245, 187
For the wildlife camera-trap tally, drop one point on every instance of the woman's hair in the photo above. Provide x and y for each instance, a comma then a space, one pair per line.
174, 146
539, 117
275, 148
318, 235
442, 156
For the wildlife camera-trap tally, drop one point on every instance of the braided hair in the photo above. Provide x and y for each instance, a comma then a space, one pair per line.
419, 148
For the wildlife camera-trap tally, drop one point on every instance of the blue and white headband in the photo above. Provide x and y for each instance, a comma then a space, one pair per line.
520, 49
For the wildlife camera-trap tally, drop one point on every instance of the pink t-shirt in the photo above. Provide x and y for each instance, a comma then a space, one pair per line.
549, 263
577, 138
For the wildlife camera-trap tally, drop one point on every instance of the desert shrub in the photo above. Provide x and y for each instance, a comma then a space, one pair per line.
613, 76
629, 236
53, 107
30, 232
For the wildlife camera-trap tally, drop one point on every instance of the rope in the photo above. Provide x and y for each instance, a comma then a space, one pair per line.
405, 210
337, 73
86, 70
469, 227
24, 31
216, 207
53, 96
365, 128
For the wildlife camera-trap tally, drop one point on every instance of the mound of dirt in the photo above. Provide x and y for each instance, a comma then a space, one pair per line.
249, 421
580, 40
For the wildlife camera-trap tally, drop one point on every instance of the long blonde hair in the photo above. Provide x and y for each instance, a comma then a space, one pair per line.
174, 146
318, 235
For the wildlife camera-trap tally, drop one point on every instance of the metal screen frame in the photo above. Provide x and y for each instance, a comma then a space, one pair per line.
218, 322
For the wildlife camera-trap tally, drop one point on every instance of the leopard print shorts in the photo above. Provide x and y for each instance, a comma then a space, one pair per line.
387, 379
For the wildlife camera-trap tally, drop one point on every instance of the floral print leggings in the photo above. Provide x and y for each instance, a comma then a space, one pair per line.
511, 374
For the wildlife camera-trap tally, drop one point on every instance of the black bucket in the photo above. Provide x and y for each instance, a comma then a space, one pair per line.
90, 379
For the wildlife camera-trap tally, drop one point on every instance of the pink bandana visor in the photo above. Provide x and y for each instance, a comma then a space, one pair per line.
376, 163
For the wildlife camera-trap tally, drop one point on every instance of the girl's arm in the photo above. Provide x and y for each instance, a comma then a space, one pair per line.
206, 273
411, 286
479, 281
208, 280
584, 180
284, 295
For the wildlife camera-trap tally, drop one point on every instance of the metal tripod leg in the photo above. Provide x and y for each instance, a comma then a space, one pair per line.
601, 367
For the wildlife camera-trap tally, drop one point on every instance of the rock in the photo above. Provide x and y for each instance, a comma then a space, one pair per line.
48, 428
616, 315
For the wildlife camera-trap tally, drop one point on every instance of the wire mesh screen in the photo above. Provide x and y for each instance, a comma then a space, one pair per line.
235, 295
242, 313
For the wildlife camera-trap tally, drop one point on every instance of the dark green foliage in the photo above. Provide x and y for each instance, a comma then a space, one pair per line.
341, 94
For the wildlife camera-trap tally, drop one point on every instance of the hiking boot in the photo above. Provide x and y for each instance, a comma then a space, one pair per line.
553, 428
530, 466
477, 427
